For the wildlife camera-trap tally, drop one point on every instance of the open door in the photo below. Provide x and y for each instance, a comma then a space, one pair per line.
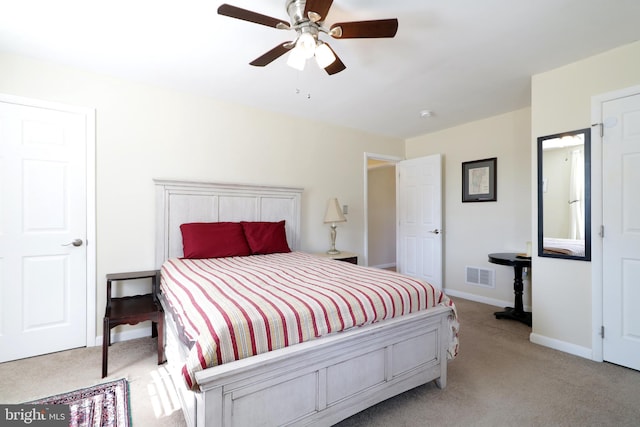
419, 214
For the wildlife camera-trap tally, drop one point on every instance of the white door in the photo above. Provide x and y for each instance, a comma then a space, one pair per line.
621, 219
419, 212
43, 275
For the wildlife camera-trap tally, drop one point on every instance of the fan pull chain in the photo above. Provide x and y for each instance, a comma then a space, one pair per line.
298, 93
299, 77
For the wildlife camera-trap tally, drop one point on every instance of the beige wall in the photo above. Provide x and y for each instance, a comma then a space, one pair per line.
473, 230
561, 101
146, 132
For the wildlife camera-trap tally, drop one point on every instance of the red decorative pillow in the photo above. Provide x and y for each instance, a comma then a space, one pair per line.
213, 240
266, 237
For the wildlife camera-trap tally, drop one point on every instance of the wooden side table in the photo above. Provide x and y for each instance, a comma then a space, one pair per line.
131, 310
342, 256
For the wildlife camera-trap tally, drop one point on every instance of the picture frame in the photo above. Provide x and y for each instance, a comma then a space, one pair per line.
479, 180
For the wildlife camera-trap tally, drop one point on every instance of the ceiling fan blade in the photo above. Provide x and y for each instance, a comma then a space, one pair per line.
336, 66
272, 55
247, 15
321, 7
364, 29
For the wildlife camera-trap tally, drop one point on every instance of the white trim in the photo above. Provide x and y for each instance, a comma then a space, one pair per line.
479, 298
92, 242
382, 157
596, 217
563, 346
383, 266
373, 156
90, 117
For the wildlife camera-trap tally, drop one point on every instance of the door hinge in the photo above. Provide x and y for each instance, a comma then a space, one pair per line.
602, 331
601, 128
601, 231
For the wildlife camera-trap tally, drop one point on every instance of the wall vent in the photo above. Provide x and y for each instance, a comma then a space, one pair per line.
484, 277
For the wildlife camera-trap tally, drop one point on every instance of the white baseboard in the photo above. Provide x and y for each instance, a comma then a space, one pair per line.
563, 346
542, 340
482, 299
383, 266
128, 334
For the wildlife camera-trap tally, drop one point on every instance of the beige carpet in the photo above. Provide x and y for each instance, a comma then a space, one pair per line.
152, 399
499, 379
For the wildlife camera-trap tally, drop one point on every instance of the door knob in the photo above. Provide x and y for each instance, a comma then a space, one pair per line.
436, 231
76, 242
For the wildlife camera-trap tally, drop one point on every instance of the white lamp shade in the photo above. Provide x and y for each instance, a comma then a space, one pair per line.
296, 59
306, 44
334, 212
324, 55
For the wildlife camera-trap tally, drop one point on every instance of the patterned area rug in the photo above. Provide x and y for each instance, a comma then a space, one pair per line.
105, 405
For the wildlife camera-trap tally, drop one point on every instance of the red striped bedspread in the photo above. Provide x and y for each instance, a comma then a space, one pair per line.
237, 307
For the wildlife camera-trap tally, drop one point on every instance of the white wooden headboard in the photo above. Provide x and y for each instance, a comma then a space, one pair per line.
179, 202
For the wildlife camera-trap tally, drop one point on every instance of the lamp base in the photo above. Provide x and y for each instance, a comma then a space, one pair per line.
333, 252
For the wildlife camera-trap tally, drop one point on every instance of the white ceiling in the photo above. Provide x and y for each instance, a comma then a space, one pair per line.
462, 59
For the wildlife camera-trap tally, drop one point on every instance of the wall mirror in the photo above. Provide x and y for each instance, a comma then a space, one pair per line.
564, 195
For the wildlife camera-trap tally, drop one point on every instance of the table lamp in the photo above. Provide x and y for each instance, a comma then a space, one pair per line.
333, 215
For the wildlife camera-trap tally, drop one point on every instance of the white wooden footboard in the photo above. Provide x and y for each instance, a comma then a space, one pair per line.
319, 382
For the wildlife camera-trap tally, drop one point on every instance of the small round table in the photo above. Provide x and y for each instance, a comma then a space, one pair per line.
518, 263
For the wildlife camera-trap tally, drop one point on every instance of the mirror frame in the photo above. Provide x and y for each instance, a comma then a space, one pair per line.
587, 196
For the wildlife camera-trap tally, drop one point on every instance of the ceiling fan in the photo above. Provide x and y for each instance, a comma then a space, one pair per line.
307, 19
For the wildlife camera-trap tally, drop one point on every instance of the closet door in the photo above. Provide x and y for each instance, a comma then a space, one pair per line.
621, 243
43, 230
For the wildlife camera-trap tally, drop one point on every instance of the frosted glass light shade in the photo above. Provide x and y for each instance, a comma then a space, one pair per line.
296, 59
306, 44
324, 55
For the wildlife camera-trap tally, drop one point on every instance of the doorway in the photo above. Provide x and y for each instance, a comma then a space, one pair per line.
380, 210
411, 230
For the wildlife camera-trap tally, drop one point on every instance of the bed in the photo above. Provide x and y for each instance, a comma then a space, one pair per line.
558, 246
330, 369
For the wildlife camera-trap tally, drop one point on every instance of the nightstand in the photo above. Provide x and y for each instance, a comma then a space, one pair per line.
342, 256
131, 310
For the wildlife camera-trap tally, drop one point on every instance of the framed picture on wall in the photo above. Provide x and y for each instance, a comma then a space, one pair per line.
479, 180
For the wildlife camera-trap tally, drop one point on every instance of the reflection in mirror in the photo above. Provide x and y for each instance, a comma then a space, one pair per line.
564, 195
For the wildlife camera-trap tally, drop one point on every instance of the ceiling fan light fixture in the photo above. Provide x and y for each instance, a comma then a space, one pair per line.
296, 59
306, 18
324, 55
